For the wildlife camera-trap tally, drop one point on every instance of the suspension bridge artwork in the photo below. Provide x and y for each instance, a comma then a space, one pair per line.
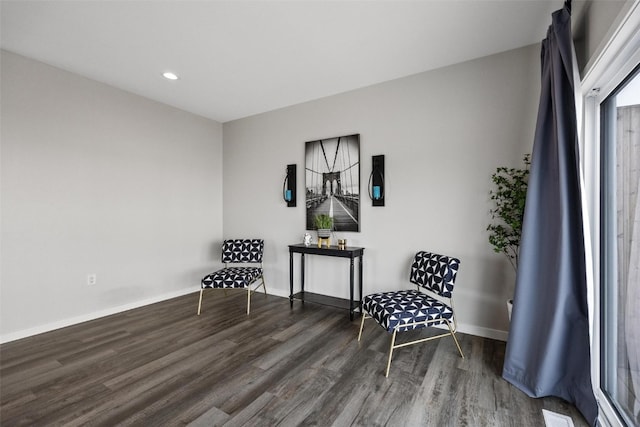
332, 181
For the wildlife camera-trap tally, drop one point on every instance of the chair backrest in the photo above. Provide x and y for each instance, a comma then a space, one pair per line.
242, 250
434, 272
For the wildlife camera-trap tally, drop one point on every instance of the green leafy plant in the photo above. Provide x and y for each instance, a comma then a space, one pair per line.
323, 222
509, 197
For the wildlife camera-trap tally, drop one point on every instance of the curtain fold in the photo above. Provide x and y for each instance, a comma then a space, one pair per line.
548, 351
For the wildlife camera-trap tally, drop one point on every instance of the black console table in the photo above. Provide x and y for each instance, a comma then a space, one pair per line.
349, 252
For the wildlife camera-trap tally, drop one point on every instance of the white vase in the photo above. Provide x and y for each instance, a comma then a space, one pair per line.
509, 308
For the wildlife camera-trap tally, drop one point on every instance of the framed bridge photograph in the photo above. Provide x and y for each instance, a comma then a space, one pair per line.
332, 181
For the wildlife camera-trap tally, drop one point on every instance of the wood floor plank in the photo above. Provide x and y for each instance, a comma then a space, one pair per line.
28, 371
298, 398
250, 414
164, 365
51, 409
213, 417
184, 358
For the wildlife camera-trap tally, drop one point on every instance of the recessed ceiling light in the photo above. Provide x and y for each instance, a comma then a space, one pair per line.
169, 75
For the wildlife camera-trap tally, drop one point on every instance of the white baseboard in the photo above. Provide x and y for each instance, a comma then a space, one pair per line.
481, 331
464, 328
91, 316
278, 293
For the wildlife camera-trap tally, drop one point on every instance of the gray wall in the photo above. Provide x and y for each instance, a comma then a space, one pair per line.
97, 180
442, 132
591, 22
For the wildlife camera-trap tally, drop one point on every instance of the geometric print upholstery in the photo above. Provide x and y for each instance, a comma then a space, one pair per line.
435, 272
399, 311
238, 251
242, 250
394, 309
232, 277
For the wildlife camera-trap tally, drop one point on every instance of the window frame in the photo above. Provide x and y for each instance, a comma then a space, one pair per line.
616, 60
608, 232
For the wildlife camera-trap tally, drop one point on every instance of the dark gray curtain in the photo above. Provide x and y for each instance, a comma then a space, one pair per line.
548, 350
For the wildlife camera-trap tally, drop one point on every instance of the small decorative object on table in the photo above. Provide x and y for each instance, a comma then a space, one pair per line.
323, 223
342, 244
307, 239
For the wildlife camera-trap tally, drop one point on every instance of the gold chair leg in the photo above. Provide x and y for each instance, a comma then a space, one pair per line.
361, 325
453, 334
200, 302
393, 341
249, 290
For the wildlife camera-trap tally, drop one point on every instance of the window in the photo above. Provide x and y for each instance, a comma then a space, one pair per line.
620, 249
609, 79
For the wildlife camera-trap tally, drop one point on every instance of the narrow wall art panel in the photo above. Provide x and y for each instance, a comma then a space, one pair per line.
332, 181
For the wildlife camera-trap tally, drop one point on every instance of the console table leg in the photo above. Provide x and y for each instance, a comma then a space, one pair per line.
291, 279
360, 284
351, 290
302, 276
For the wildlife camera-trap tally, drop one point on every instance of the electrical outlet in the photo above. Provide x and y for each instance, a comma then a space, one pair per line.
91, 279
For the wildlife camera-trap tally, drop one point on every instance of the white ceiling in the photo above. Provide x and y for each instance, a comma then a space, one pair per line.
239, 58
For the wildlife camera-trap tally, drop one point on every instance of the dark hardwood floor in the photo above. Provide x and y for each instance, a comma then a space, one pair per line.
163, 365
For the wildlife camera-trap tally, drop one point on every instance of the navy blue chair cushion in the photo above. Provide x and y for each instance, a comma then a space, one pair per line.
232, 277
434, 272
394, 309
242, 250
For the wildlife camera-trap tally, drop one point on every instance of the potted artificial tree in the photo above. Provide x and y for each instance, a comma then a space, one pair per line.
508, 196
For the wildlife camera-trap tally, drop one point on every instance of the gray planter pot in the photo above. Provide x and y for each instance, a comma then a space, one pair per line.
324, 233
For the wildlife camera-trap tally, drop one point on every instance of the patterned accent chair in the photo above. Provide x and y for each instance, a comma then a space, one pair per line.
237, 251
405, 310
